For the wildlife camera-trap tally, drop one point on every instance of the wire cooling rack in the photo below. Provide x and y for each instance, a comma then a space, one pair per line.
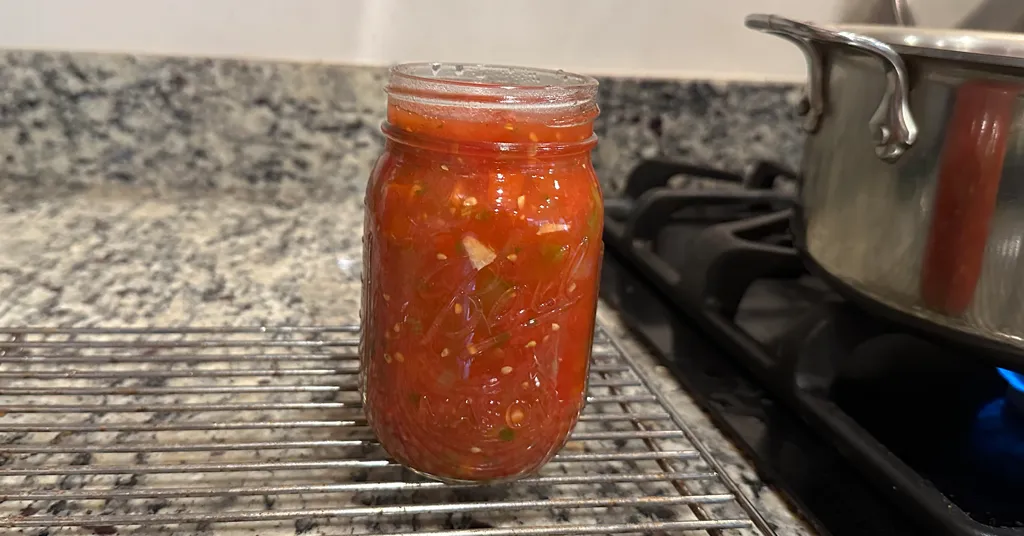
260, 430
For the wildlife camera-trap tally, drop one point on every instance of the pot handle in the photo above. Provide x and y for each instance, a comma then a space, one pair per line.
893, 128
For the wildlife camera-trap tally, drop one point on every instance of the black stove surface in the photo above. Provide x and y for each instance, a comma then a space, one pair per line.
868, 428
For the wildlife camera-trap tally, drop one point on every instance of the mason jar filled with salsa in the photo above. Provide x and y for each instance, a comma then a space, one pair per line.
482, 247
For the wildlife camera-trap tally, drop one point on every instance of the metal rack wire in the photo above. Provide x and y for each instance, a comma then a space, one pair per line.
121, 430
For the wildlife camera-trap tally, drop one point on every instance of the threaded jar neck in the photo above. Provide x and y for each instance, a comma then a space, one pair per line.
494, 87
507, 107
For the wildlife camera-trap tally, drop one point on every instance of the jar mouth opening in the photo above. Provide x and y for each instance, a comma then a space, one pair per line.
491, 86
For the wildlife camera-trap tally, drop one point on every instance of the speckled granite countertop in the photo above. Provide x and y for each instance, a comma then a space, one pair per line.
171, 192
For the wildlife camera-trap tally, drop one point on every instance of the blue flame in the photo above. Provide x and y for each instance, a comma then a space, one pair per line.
1015, 379
997, 437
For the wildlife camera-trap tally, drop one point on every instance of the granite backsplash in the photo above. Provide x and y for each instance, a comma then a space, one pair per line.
79, 119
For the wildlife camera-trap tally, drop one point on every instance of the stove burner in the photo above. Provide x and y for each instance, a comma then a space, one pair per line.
1014, 390
998, 435
917, 421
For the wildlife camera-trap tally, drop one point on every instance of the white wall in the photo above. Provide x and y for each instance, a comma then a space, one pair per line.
664, 38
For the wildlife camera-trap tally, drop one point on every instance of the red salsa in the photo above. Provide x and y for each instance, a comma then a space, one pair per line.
482, 249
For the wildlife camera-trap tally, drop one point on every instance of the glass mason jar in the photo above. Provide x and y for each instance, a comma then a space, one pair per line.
482, 250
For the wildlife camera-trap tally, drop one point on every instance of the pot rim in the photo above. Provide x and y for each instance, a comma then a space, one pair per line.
996, 48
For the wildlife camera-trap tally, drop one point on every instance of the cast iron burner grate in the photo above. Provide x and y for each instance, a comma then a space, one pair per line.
121, 430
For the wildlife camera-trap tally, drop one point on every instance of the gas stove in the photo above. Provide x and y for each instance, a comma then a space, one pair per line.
868, 427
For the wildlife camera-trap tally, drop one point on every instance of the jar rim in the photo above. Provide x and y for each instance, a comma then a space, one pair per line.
492, 86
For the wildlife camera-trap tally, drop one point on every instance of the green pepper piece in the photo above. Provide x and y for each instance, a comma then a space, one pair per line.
592, 222
554, 253
490, 288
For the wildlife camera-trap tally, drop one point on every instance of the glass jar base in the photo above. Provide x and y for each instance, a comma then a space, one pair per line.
464, 482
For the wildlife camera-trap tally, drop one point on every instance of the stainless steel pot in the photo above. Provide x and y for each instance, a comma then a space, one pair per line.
912, 191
